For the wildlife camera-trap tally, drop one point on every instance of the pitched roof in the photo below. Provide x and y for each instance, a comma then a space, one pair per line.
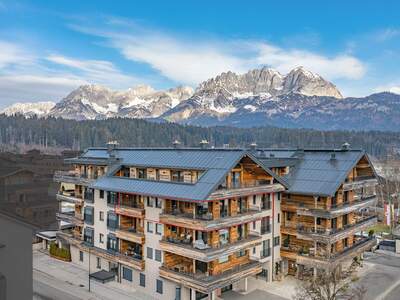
312, 171
215, 163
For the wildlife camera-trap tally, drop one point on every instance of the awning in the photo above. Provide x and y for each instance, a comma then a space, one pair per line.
103, 276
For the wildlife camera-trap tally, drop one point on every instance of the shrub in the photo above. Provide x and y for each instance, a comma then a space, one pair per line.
62, 253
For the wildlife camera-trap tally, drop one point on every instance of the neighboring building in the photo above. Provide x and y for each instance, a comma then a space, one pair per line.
15, 258
327, 209
193, 223
175, 223
27, 189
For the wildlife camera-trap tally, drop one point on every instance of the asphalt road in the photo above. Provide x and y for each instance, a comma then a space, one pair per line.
44, 291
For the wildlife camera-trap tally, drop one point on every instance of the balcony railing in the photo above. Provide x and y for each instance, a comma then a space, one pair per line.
206, 283
69, 197
73, 177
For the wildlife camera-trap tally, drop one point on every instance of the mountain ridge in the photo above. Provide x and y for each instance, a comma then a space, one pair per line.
259, 97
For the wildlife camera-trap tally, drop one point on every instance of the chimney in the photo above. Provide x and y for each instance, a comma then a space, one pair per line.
111, 146
176, 144
203, 144
345, 146
253, 146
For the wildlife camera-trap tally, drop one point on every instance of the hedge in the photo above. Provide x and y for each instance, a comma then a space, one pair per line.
60, 253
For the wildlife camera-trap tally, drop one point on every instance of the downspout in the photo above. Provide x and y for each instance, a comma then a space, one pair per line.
273, 236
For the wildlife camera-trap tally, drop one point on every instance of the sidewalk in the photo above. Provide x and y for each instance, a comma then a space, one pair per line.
73, 280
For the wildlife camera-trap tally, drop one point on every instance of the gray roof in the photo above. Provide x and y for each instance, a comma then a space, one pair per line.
215, 163
317, 174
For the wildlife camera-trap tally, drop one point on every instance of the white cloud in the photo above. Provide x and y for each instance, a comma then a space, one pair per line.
192, 60
393, 88
25, 76
386, 34
95, 71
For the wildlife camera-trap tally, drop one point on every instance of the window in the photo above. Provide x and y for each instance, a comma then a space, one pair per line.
98, 264
80, 256
254, 199
126, 274
101, 215
88, 215
149, 253
157, 255
159, 229
150, 227
159, 286
177, 176
279, 217
223, 259
142, 174
101, 238
112, 220
88, 195
101, 194
254, 250
142, 280
254, 225
241, 253
318, 221
158, 203
112, 198
150, 201
112, 243
278, 196
276, 241
88, 234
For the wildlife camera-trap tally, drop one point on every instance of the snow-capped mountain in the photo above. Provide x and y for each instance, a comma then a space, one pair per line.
224, 95
29, 109
259, 97
97, 102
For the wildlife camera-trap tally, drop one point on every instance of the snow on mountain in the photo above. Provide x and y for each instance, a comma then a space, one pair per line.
29, 109
97, 102
220, 96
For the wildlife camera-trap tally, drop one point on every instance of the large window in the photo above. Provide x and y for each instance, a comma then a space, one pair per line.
88, 235
159, 229
276, 241
150, 227
88, 195
149, 253
157, 255
88, 215
112, 243
112, 220
112, 198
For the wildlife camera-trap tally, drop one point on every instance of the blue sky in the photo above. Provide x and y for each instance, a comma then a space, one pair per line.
48, 48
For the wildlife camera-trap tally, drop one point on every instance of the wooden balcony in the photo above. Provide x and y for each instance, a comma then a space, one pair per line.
209, 254
198, 223
246, 189
322, 262
359, 182
336, 210
130, 211
130, 261
70, 218
129, 235
333, 235
72, 177
206, 284
69, 198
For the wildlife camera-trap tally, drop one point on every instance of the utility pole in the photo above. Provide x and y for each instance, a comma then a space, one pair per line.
89, 269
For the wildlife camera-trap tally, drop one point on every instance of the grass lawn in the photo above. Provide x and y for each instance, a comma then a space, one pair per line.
379, 228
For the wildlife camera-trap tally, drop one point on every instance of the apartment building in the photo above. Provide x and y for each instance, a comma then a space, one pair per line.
327, 208
173, 223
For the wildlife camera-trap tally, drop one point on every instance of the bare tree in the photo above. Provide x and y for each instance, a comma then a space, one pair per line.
332, 284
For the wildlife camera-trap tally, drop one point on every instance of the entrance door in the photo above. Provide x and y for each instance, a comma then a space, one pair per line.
292, 267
